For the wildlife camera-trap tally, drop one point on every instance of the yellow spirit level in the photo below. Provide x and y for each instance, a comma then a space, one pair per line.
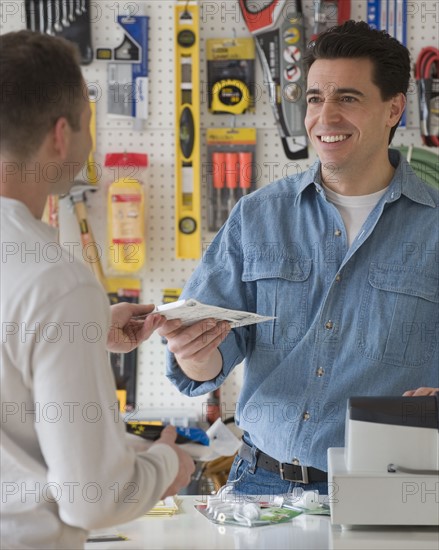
187, 146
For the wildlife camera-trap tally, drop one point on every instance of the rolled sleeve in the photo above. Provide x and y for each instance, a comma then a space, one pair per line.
192, 388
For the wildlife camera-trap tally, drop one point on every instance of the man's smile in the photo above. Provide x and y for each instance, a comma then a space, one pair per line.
333, 139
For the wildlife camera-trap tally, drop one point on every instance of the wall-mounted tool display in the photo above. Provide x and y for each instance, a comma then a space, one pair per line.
279, 33
128, 71
126, 213
389, 16
230, 171
427, 80
328, 13
67, 18
187, 143
230, 75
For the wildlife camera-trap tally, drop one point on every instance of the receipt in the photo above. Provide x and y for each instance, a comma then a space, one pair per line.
190, 311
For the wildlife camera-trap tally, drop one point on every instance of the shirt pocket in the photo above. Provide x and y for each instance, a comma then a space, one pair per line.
279, 289
398, 320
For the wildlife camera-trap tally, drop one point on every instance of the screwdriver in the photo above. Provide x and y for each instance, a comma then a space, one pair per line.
232, 174
245, 171
218, 171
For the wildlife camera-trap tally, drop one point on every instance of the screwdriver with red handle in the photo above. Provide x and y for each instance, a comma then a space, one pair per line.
245, 171
218, 173
232, 175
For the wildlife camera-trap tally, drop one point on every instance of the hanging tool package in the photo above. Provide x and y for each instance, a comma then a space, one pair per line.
279, 34
427, 80
328, 13
67, 18
230, 75
128, 80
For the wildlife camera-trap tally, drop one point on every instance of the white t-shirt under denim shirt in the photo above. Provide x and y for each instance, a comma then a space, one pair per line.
354, 210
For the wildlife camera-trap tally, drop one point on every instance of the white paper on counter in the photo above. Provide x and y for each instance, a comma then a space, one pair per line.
222, 443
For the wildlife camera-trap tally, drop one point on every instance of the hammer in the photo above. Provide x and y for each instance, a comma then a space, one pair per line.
77, 199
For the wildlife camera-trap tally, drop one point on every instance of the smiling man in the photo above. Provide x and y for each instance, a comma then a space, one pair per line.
349, 125
344, 256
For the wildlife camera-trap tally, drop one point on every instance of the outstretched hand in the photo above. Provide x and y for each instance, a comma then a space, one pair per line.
128, 329
420, 392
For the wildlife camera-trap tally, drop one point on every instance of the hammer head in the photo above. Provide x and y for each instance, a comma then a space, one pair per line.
78, 190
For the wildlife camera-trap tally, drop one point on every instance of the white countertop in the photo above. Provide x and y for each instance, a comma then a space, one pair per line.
190, 530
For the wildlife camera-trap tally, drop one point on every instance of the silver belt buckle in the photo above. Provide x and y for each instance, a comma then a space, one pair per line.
281, 471
304, 479
304, 475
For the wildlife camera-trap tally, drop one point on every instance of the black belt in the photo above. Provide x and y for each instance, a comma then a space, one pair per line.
287, 472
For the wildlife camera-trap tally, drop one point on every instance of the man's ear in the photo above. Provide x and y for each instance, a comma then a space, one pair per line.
61, 137
397, 106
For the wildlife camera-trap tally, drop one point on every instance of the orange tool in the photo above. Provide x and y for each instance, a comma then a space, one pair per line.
245, 171
232, 174
218, 172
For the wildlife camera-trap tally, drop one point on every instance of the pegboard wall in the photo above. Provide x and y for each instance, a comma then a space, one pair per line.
218, 19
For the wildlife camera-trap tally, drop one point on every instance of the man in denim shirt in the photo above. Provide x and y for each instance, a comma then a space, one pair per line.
344, 255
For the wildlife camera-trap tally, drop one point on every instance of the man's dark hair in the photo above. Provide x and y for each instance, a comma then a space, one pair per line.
355, 39
40, 81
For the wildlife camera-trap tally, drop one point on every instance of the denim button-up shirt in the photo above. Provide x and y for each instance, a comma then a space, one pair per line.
349, 321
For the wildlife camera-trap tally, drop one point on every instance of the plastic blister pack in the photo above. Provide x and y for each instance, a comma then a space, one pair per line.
228, 507
230, 171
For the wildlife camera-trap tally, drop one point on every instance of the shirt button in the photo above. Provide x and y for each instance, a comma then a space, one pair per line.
338, 277
306, 416
329, 325
337, 232
320, 372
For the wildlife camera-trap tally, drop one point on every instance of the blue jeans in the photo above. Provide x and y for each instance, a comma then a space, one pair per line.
250, 480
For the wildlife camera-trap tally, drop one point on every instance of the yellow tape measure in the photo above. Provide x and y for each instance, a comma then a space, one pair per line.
230, 96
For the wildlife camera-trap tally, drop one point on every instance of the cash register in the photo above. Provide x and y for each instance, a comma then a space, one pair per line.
388, 471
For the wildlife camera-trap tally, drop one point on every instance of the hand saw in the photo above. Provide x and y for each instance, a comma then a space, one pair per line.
279, 34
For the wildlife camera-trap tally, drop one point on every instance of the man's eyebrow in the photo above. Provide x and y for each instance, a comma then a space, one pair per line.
335, 91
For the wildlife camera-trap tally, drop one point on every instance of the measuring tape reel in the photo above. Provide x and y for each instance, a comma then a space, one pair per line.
230, 96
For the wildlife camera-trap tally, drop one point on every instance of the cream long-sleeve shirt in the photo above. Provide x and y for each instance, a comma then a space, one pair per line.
66, 464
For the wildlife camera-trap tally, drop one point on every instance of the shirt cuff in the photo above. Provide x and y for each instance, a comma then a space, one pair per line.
168, 457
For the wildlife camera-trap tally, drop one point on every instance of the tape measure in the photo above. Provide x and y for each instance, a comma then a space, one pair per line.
230, 96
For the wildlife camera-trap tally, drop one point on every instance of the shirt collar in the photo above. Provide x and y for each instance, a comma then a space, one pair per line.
404, 181
310, 177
